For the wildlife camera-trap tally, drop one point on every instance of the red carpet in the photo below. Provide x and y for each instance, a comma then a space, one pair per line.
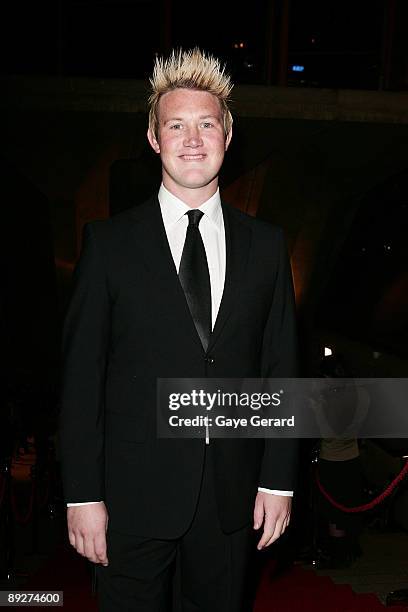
295, 591
70, 573
301, 589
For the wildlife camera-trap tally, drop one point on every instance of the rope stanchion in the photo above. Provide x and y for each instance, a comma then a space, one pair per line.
364, 507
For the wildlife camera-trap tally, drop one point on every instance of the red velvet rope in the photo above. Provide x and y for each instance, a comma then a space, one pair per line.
370, 505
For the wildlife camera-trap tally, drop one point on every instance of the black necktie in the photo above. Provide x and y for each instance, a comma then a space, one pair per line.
195, 279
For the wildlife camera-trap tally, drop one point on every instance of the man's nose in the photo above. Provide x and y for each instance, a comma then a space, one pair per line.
193, 138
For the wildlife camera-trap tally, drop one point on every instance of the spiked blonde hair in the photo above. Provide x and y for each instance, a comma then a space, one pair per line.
192, 69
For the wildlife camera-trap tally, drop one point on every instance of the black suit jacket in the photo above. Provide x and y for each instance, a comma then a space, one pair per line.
127, 325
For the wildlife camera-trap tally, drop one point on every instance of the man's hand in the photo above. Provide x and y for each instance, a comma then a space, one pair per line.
274, 512
87, 531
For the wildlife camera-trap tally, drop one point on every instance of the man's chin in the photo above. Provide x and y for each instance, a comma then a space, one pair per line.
190, 180
196, 182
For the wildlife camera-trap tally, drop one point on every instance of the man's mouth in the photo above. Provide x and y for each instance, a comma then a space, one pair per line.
197, 157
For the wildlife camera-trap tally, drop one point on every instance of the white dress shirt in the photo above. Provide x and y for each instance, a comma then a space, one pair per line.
212, 232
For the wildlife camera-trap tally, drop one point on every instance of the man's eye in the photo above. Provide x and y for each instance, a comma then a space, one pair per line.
207, 124
176, 126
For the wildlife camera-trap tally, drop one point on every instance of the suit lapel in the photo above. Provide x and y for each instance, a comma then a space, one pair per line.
150, 240
237, 243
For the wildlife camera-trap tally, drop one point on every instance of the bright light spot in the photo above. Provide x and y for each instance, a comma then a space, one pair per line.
327, 351
297, 68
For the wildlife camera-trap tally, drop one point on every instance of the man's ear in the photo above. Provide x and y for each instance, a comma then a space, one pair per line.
228, 138
153, 142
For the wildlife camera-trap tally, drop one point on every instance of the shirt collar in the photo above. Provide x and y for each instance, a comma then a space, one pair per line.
173, 209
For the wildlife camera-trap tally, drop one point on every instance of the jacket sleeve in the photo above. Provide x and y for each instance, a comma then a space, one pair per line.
280, 360
85, 345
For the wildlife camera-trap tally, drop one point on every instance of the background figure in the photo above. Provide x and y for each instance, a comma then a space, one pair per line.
340, 474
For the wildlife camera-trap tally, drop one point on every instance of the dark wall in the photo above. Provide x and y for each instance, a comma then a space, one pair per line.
29, 320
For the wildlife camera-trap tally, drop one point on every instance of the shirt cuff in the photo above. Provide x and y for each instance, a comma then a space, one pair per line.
276, 492
84, 503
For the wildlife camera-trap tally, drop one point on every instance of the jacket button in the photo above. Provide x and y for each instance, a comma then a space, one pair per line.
209, 360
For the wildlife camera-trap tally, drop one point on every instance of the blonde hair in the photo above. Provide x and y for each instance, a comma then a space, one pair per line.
192, 69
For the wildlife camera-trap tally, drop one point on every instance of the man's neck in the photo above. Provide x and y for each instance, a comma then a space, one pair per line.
192, 197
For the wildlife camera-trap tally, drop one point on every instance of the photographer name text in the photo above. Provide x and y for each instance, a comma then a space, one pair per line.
230, 423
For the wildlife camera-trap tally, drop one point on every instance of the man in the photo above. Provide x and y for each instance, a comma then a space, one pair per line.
180, 286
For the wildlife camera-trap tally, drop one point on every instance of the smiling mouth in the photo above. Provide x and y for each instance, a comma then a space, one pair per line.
197, 157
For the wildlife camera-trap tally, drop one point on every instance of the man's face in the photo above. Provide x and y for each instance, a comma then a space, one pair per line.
191, 140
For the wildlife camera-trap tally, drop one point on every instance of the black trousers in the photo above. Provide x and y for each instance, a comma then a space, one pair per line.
205, 570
